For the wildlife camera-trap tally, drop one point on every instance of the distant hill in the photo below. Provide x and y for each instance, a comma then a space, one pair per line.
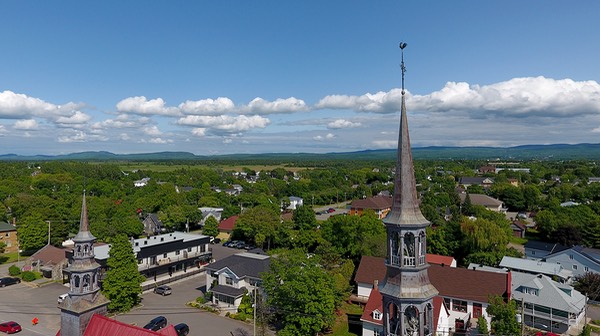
526, 152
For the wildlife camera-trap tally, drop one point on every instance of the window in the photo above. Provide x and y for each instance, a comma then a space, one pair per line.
447, 303
164, 255
202, 248
460, 306
571, 256
189, 249
229, 281
376, 332
377, 315
585, 268
177, 252
532, 252
575, 267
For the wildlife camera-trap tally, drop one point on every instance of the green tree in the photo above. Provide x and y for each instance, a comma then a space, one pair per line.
122, 284
301, 293
504, 316
211, 227
482, 325
33, 232
304, 218
2, 247
258, 225
589, 285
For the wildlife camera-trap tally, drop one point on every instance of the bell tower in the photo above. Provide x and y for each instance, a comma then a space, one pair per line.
406, 291
84, 297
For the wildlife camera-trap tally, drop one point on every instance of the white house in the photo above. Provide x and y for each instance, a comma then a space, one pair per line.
295, 202
141, 183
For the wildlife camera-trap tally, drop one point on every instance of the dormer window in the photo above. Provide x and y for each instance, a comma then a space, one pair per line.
377, 315
529, 290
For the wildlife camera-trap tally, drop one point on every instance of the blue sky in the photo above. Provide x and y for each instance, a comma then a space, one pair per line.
225, 77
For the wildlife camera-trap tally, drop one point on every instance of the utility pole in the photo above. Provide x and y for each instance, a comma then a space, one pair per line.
254, 311
522, 317
48, 232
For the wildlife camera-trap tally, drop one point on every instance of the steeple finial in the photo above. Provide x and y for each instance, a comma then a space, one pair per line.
402, 67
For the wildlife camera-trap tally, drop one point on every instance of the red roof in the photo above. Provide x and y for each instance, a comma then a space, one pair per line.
228, 224
370, 269
103, 326
375, 303
50, 255
439, 259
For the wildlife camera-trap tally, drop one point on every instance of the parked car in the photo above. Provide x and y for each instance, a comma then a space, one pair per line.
9, 281
182, 329
522, 214
330, 210
62, 297
10, 327
156, 323
216, 241
163, 290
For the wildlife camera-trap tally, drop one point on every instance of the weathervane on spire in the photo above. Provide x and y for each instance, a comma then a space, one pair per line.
402, 46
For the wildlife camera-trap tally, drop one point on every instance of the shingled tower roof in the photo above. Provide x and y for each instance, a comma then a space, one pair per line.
84, 233
405, 207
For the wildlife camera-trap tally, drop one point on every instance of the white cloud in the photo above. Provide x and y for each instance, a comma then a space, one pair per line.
330, 136
76, 118
29, 124
124, 136
121, 121
3, 130
76, 137
227, 141
160, 141
151, 130
287, 105
380, 102
17, 106
199, 132
385, 143
141, 105
224, 123
596, 130
208, 106
342, 123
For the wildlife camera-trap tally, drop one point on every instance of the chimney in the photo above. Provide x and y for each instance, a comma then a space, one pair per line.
508, 284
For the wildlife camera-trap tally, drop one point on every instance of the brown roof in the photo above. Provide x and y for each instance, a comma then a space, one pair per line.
375, 303
370, 269
480, 199
375, 203
50, 255
449, 281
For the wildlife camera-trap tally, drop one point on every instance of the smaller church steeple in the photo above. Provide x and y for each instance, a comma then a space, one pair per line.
84, 297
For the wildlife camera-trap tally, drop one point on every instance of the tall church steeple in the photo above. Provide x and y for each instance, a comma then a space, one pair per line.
84, 296
406, 291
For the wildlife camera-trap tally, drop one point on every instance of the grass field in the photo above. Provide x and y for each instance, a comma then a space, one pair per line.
158, 167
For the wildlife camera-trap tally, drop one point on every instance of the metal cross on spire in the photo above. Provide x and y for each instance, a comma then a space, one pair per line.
402, 67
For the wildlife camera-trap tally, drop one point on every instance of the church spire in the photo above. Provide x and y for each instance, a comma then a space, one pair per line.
405, 206
84, 233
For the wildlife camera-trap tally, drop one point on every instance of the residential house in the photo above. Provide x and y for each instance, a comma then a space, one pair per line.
463, 294
441, 260
381, 205
231, 278
8, 236
518, 228
484, 182
553, 270
207, 212
486, 201
578, 259
295, 202
568, 204
593, 179
487, 170
141, 183
549, 305
50, 261
152, 225
536, 250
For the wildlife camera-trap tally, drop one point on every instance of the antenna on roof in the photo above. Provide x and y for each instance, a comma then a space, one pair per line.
402, 67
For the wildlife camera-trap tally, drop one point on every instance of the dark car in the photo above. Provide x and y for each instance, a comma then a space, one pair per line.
10, 327
182, 329
163, 290
9, 281
157, 323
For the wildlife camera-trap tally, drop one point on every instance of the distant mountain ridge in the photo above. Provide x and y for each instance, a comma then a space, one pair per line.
525, 152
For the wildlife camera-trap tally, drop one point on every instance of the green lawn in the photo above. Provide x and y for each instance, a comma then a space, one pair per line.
6, 258
341, 323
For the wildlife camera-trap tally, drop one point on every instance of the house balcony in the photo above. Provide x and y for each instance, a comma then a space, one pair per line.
186, 256
548, 316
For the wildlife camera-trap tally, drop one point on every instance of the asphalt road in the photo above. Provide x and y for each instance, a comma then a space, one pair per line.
22, 302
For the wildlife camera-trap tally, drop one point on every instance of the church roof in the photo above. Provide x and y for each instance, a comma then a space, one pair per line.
50, 255
84, 233
375, 203
103, 326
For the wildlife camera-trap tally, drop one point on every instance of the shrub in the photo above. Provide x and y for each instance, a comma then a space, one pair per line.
28, 276
201, 299
14, 270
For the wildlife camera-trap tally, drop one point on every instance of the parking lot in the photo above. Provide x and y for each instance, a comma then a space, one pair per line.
23, 302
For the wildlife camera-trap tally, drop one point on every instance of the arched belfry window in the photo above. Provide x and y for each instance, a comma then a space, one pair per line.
394, 319
77, 281
428, 319
396, 248
408, 250
411, 321
86, 283
422, 248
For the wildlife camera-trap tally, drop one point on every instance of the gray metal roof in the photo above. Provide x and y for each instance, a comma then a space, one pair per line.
535, 266
243, 264
551, 293
101, 252
229, 291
